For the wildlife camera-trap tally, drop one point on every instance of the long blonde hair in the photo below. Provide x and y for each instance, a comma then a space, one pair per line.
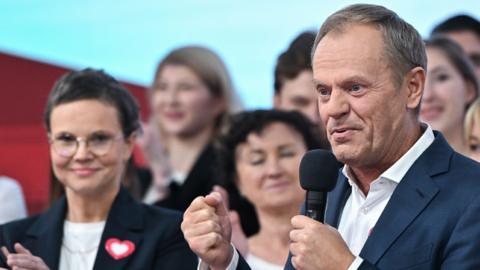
210, 68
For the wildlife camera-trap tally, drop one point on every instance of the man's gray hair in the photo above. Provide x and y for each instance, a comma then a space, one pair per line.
404, 48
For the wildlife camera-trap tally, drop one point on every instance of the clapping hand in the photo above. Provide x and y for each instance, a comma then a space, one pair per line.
23, 259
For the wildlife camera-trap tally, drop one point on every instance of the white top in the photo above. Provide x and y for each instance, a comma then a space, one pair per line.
179, 177
361, 212
12, 204
257, 263
80, 245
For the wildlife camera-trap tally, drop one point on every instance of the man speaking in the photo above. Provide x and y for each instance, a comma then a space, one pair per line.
404, 199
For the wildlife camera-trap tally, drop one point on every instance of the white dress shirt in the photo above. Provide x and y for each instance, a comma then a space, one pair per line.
361, 212
257, 263
12, 204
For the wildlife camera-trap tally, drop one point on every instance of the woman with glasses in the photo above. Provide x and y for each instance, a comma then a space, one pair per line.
92, 122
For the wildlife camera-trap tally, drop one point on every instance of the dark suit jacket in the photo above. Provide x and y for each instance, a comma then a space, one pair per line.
159, 243
432, 220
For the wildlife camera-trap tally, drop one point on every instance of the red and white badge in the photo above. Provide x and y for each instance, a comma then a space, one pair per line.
119, 249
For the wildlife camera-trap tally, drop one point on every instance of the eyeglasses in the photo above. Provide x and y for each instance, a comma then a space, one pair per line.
66, 145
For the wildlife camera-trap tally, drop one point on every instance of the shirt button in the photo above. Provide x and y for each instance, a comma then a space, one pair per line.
365, 210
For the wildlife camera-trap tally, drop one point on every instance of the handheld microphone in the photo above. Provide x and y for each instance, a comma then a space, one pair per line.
318, 175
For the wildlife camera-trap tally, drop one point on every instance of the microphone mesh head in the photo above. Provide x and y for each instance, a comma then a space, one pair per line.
319, 170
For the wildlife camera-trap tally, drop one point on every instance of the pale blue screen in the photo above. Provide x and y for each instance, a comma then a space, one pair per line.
127, 38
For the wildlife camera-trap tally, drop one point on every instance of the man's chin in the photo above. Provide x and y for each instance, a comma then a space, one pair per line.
345, 154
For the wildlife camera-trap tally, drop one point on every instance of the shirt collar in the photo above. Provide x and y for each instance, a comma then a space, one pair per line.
398, 170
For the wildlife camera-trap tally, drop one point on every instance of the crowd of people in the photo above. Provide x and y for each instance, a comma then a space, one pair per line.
221, 189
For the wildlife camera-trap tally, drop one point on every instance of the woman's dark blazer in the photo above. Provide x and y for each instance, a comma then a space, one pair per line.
155, 233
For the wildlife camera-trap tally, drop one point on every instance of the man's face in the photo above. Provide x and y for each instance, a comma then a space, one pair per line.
470, 43
364, 114
298, 94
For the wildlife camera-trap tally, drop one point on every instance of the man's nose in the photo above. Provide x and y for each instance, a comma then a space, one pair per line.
337, 105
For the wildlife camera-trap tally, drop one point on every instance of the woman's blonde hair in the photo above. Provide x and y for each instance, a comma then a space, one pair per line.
210, 68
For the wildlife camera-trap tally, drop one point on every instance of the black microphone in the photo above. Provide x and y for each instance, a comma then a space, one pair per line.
318, 175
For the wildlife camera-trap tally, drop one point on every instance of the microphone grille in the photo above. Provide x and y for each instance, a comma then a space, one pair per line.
319, 170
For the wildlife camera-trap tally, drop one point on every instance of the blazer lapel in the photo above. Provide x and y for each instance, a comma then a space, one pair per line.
44, 237
409, 199
336, 200
124, 223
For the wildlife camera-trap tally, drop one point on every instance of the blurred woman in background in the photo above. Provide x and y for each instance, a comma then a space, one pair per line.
190, 97
451, 86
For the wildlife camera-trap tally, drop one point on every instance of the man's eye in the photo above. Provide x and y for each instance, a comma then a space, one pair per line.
300, 102
442, 77
356, 88
323, 91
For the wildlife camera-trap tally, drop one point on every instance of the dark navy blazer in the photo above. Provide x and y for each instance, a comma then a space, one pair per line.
159, 243
432, 220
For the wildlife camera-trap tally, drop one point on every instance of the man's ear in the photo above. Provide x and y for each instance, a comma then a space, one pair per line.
415, 82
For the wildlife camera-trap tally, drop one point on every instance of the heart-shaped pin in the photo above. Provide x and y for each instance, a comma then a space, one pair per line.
119, 249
